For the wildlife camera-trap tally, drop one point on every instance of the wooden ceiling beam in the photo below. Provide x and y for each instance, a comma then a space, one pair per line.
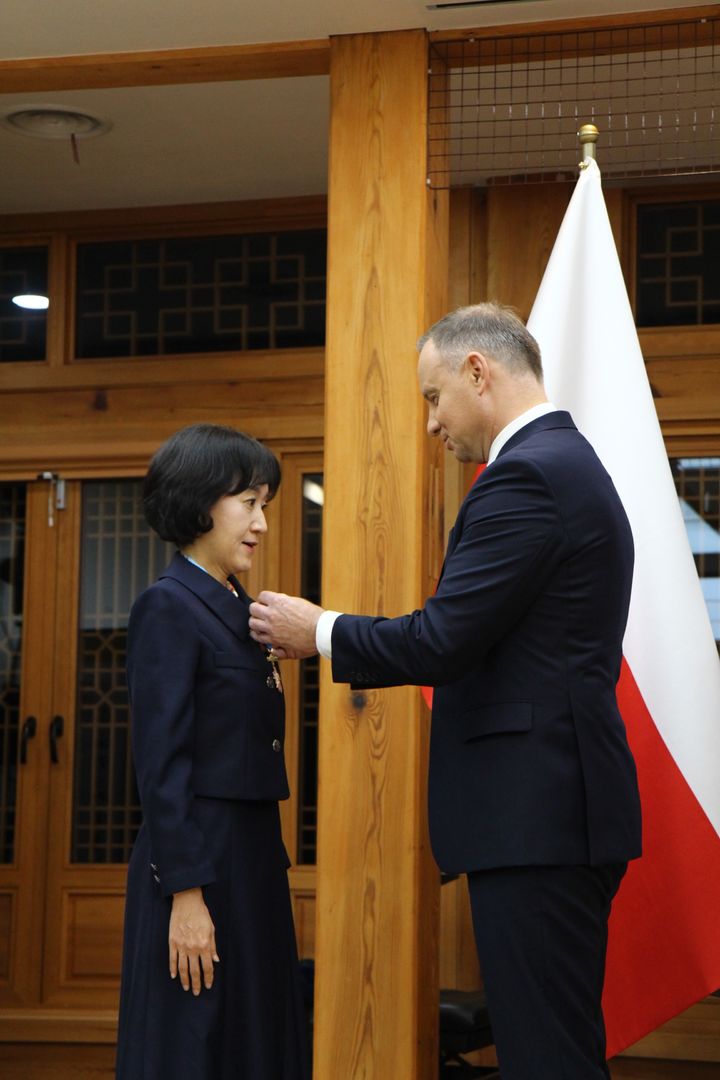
223, 63
581, 23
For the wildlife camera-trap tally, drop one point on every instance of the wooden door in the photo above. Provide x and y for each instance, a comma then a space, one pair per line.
107, 555
69, 811
28, 546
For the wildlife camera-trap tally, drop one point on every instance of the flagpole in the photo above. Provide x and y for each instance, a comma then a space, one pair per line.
587, 136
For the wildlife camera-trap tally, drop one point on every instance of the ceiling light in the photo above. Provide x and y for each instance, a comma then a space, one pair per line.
31, 301
54, 122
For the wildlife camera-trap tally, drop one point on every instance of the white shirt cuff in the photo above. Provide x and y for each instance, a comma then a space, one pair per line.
323, 633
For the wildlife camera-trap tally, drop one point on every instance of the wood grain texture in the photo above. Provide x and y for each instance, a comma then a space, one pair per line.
114, 430
635, 1069
249, 215
596, 23
694, 1035
377, 888
22, 1061
25, 877
523, 223
223, 63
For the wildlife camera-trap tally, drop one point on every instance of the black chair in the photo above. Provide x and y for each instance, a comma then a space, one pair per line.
464, 1027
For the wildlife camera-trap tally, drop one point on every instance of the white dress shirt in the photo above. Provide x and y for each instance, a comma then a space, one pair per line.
323, 630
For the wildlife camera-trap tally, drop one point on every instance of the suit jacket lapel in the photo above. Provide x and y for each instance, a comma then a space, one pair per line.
233, 611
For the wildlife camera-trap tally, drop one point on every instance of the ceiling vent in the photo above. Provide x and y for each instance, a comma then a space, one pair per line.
54, 122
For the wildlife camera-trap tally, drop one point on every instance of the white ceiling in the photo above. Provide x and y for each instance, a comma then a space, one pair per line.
211, 142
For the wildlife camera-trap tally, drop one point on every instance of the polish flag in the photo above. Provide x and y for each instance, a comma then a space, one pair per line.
664, 944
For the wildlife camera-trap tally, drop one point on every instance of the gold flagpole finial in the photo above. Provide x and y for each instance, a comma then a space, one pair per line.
588, 136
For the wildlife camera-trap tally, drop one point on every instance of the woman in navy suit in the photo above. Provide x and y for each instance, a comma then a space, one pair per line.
210, 983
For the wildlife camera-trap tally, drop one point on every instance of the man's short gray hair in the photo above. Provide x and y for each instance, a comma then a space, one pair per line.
491, 329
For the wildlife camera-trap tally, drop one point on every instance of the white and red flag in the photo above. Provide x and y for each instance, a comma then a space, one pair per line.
664, 946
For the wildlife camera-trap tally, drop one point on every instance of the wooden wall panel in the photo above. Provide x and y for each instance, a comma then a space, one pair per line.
65, 429
523, 223
7, 904
56, 1061
93, 924
304, 915
694, 1035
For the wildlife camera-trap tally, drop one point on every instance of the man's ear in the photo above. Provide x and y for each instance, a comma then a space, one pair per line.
478, 368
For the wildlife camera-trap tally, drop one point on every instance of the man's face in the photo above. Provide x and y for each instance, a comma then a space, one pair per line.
454, 407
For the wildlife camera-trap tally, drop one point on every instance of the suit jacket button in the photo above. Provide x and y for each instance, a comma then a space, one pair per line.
276, 746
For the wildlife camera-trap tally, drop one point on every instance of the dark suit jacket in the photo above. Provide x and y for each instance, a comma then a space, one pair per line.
529, 762
204, 719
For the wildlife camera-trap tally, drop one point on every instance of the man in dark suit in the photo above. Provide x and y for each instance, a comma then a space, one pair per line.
532, 789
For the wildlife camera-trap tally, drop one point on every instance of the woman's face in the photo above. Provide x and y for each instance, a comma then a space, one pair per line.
238, 524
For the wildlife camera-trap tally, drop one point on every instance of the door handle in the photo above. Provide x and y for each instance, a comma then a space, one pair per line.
57, 726
29, 730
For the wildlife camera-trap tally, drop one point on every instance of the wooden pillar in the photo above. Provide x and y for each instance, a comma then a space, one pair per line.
377, 898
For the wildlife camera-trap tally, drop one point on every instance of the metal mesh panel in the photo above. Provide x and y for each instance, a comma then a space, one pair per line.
120, 556
507, 109
12, 543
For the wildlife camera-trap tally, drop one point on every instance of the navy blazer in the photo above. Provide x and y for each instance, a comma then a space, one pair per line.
529, 761
207, 718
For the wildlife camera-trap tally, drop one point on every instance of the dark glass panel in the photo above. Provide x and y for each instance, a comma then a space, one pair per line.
120, 556
697, 481
678, 264
201, 294
311, 561
12, 551
22, 332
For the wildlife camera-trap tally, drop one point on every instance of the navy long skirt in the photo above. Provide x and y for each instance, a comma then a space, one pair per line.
251, 1024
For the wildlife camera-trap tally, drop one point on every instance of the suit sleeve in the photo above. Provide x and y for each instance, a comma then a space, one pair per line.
163, 654
511, 541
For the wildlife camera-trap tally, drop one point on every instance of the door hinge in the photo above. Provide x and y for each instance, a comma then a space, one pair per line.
56, 494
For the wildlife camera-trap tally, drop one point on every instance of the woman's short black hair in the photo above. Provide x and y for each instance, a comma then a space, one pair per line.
196, 467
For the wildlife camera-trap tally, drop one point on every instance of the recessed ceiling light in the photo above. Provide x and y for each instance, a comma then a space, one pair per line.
31, 301
54, 122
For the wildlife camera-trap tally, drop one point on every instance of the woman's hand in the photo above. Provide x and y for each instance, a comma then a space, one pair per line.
192, 941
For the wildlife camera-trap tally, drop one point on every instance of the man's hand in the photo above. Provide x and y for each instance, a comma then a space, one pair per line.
285, 622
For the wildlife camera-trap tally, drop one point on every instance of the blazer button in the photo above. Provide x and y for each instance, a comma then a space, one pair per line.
276, 746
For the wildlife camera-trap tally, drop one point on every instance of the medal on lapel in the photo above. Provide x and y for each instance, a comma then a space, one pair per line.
274, 678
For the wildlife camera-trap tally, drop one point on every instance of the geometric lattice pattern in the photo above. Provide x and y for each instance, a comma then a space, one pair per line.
505, 110
678, 264
697, 481
120, 556
311, 562
22, 332
154, 297
12, 539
